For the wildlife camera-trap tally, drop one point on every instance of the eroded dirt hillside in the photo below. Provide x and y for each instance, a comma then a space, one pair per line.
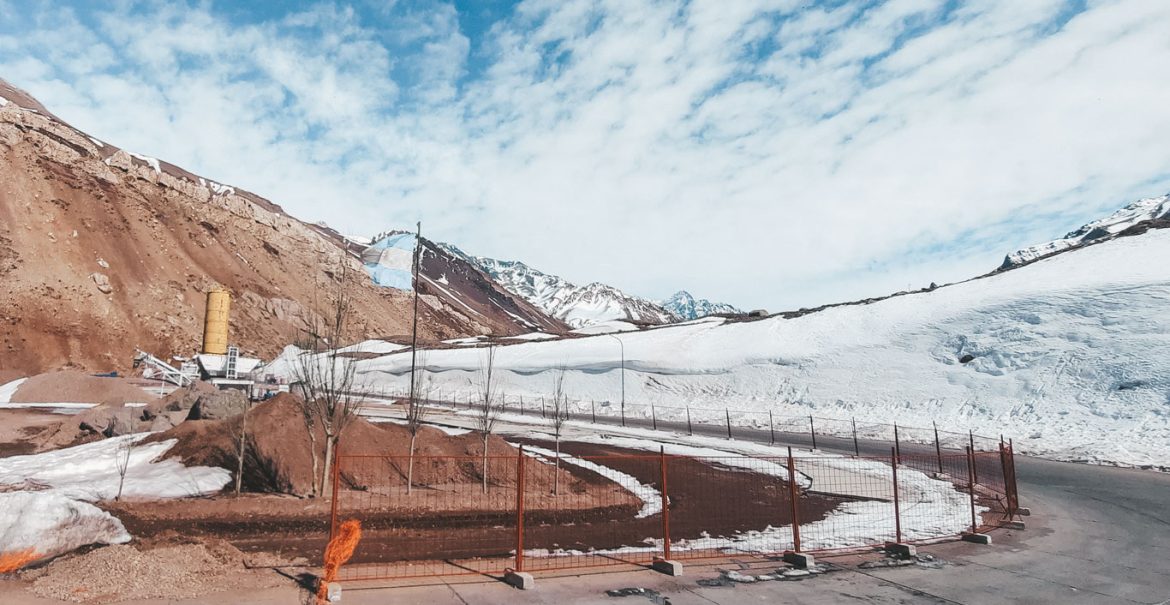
102, 251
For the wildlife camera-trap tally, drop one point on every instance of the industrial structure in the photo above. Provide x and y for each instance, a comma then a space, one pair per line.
217, 361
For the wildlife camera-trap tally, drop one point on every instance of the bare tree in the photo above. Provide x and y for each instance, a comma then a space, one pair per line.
489, 405
560, 414
416, 412
122, 454
327, 377
239, 433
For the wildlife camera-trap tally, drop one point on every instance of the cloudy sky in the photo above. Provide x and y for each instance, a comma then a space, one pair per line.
770, 154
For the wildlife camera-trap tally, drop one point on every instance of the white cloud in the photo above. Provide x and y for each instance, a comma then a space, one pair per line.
759, 152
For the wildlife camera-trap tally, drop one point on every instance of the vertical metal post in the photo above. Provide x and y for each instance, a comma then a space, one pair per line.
542, 406
623, 413
690, 431
520, 510
727, 413
336, 482
521, 405
771, 427
653, 416
974, 470
593, 410
812, 430
794, 497
897, 445
665, 506
897, 504
856, 449
937, 448
971, 485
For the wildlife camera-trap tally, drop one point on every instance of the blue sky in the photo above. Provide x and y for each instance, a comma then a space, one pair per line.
766, 153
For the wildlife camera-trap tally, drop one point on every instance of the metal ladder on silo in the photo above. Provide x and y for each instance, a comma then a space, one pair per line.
230, 369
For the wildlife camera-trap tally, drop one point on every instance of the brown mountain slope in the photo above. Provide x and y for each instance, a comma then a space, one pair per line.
102, 252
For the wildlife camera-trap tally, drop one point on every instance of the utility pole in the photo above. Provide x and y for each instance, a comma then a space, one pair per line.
623, 346
414, 330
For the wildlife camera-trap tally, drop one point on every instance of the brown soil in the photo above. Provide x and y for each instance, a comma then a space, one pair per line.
100, 254
461, 522
279, 459
20, 428
78, 387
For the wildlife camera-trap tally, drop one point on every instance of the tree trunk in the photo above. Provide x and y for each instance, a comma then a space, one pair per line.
410, 464
557, 472
240, 455
313, 451
485, 462
326, 474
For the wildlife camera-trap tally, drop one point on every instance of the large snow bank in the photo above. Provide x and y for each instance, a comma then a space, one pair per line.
52, 524
1070, 356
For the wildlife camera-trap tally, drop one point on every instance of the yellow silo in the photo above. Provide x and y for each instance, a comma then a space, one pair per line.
215, 328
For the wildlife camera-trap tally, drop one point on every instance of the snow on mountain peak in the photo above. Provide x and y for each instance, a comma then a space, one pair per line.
686, 307
1147, 209
576, 305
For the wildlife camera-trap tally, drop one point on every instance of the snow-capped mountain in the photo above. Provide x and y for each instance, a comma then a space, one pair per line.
1139, 212
686, 307
575, 305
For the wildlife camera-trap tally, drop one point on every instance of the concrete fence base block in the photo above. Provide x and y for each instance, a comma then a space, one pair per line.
799, 559
520, 579
976, 538
901, 550
668, 567
333, 592
1024, 511
1014, 525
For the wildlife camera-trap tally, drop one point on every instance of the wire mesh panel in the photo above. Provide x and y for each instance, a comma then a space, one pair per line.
544, 509
447, 522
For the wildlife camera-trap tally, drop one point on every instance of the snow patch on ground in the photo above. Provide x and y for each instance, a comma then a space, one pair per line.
8, 389
651, 498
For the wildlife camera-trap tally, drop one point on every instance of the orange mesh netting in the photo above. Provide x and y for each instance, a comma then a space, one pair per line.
339, 550
12, 561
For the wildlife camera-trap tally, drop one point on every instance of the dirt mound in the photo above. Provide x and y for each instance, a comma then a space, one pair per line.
78, 387
167, 571
278, 452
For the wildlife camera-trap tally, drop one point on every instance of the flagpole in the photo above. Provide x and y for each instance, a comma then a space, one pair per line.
414, 330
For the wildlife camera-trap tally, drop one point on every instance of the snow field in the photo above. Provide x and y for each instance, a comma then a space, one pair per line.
1070, 356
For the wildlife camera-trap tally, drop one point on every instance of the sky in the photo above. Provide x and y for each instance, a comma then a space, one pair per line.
770, 154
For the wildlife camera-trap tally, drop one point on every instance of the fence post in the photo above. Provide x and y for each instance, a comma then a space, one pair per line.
623, 414
856, 450
333, 505
653, 416
690, 431
937, 448
727, 413
593, 410
520, 510
897, 445
812, 430
897, 504
665, 506
771, 427
971, 485
794, 496
542, 406
974, 471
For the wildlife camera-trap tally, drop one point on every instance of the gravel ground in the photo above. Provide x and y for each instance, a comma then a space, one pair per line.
124, 572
